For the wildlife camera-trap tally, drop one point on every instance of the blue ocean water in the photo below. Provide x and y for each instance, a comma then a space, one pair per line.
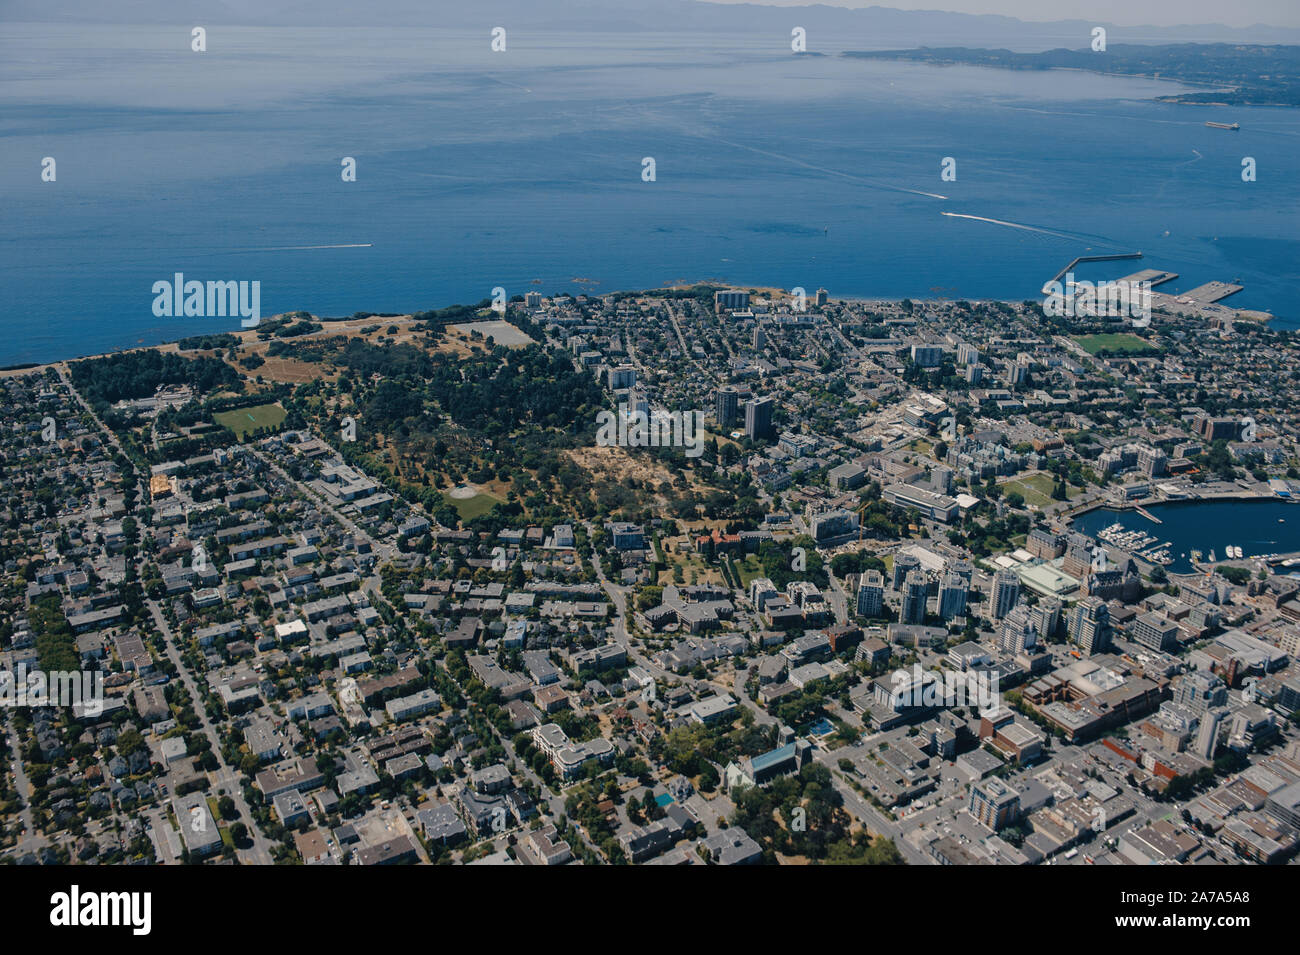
1256, 526
523, 170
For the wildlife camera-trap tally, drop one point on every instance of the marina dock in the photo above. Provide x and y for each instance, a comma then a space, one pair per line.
1210, 292
1151, 277
1091, 258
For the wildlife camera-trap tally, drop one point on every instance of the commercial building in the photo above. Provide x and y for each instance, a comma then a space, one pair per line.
1018, 632
846, 477
1088, 626
1284, 805
831, 524
1288, 697
994, 803
622, 376
1045, 544
1154, 631
935, 507
1200, 691
915, 591
732, 298
871, 594
927, 356
758, 418
1207, 734
1047, 581
1078, 556
1005, 593
952, 597
726, 404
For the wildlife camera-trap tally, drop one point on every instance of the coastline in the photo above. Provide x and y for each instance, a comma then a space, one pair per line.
246, 336
981, 57
352, 324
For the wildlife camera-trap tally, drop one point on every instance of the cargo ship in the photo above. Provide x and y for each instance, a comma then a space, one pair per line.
1224, 125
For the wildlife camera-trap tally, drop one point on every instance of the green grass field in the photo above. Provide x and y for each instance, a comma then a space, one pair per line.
244, 421
1036, 489
1116, 342
750, 569
472, 507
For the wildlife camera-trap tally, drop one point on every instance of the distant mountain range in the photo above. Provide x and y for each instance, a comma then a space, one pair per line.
830, 29
1242, 75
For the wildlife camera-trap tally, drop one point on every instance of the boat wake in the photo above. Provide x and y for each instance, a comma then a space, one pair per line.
304, 248
1011, 225
875, 184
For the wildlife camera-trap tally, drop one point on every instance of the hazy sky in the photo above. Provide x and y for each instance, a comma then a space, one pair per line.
1238, 13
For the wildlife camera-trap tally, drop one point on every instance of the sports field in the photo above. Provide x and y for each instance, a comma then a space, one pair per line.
244, 421
1116, 343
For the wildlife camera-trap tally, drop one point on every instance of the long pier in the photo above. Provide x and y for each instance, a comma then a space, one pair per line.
1148, 515
1091, 258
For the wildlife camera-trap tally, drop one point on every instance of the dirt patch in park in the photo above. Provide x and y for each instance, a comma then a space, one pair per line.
617, 465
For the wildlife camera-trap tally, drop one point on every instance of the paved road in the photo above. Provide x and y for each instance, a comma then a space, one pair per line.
224, 777
858, 807
552, 803
761, 716
382, 550
552, 806
619, 594
30, 840
839, 599
686, 351
868, 814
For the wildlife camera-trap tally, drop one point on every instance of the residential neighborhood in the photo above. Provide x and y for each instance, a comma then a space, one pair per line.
870, 623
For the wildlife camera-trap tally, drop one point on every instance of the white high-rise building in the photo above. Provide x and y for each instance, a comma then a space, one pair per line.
1005, 594
952, 596
1207, 736
871, 594
1018, 632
